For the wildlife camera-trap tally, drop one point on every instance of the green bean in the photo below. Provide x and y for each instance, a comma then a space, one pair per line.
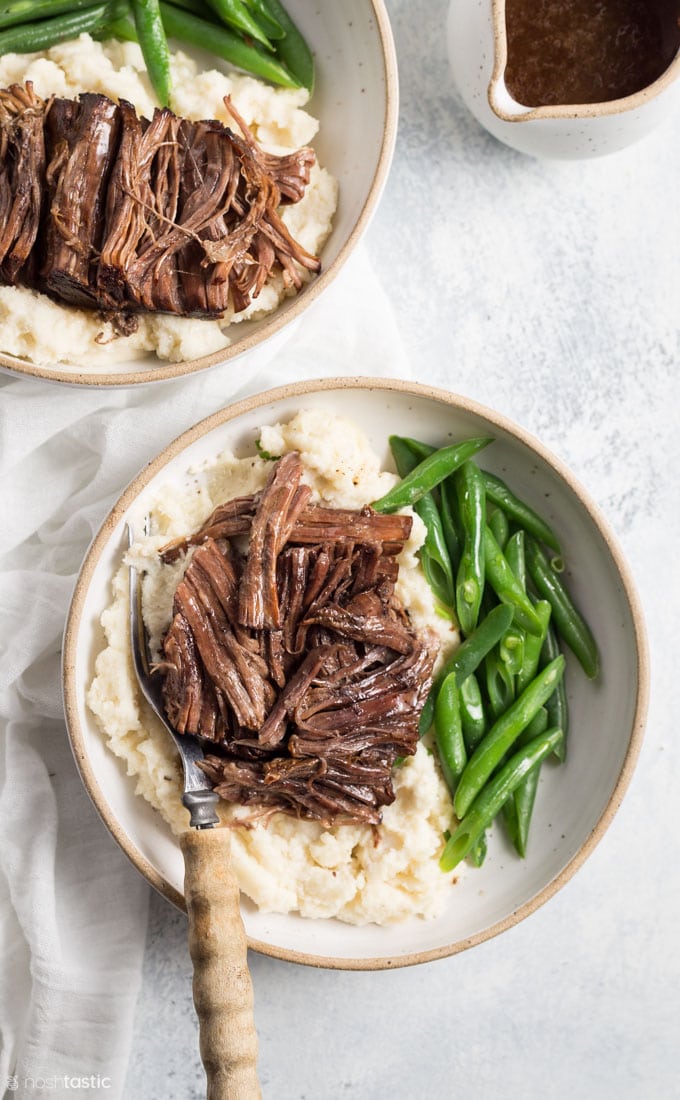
224, 43
538, 724
418, 448
447, 511
427, 713
154, 46
503, 735
448, 732
31, 37
474, 649
523, 806
506, 586
557, 706
512, 644
448, 506
499, 493
511, 649
500, 684
292, 48
13, 12
472, 716
570, 624
405, 459
235, 14
199, 8
468, 657
533, 643
434, 555
515, 557
518, 809
481, 812
269, 24
498, 522
477, 853
470, 576
121, 29
429, 473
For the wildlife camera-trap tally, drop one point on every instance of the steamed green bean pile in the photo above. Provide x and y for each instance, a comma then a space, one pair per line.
498, 708
257, 36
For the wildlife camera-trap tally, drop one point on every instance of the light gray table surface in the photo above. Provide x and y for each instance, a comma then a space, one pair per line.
549, 291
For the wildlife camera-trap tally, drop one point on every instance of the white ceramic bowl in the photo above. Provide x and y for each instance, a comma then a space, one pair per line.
356, 101
575, 802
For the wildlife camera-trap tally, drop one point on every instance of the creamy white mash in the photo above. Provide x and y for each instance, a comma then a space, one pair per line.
356, 873
31, 325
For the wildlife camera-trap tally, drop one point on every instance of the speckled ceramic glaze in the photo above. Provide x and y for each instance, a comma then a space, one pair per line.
478, 53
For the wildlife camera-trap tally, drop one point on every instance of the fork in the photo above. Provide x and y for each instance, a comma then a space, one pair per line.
222, 987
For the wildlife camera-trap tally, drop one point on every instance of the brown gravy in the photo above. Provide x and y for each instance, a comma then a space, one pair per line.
587, 51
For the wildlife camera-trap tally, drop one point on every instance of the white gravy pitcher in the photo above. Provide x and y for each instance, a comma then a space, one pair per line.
478, 51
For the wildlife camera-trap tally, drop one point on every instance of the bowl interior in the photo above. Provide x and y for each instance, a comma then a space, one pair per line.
575, 800
355, 100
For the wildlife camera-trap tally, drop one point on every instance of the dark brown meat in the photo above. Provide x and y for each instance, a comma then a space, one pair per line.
81, 141
370, 625
289, 172
129, 201
102, 209
297, 662
227, 521
22, 177
280, 504
185, 682
273, 730
313, 526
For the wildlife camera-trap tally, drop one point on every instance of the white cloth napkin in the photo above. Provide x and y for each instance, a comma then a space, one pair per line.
72, 909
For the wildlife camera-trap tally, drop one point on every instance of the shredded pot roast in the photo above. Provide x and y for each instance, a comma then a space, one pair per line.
295, 658
102, 209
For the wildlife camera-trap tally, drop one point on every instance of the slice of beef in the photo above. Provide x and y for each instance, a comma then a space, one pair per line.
374, 677
290, 172
274, 728
22, 179
280, 504
319, 524
369, 625
314, 525
129, 201
310, 788
228, 520
184, 679
208, 165
222, 657
81, 139
186, 170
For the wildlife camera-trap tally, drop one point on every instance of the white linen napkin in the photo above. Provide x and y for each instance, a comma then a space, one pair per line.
72, 909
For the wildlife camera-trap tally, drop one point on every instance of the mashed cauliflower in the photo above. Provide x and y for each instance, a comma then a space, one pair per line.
356, 873
36, 328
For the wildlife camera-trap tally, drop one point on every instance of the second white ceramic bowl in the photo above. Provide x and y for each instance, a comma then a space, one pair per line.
356, 101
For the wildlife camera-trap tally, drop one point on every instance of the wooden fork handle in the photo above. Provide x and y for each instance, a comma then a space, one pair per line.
223, 991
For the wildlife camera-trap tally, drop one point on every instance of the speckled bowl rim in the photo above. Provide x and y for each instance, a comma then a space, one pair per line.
300, 390
567, 110
280, 318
